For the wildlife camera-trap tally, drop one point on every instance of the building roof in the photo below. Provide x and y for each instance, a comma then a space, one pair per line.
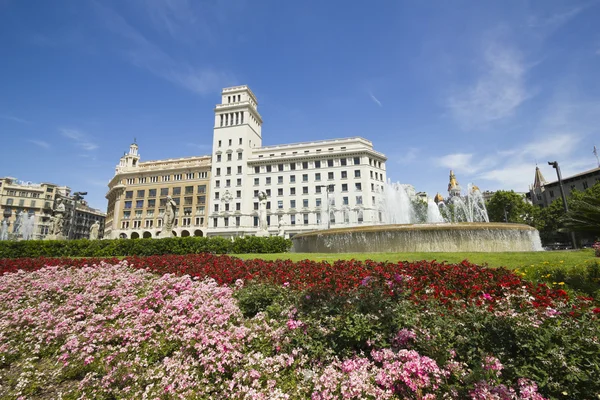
575, 177
538, 180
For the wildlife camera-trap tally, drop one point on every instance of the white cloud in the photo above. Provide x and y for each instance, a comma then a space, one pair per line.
14, 119
81, 139
556, 20
376, 100
409, 156
497, 92
457, 161
40, 143
142, 53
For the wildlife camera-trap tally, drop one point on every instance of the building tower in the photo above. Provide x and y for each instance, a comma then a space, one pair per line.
236, 132
536, 191
130, 159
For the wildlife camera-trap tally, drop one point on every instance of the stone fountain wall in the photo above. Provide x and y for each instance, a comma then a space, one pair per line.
463, 237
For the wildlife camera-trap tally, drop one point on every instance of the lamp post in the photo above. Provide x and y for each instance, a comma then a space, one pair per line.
554, 165
77, 196
327, 190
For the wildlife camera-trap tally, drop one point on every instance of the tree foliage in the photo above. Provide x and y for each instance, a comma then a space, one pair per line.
508, 206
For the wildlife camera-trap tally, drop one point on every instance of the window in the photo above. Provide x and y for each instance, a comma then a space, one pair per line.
330, 163
318, 204
358, 186
292, 166
293, 219
280, 192
237, 219
230, 142
304, 189
256, 193
256, 206
238, 194
305, 165
218, 158
164, 192
9, 202
256, 181
292, 203
305, 218
585, 185
344, 187
330, 175
357, 173
128, 204
318, 189
305, 203
343, 161
216, 195
280, 180
129, 194
219, 143
268, 168
189, 190
239, 169
151, 203
356, 160
257, 170
304, 177
318, 176
292, 191
268, 191
217, 183
345, 200
552, 193
240, 139
279, 204
238, 206
229, 156
187, 201
292, 178
268, 180
344, 175
317, 164
189, 175
228, 183
239, 155
215, 222
176, 191
359, 200
152, 193
201, 188
280, 167
216, 208
238, 182
255, 221
218, 173
228, 170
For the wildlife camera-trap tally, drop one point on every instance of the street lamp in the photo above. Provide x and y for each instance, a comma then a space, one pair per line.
328, 188
554, 165
77, 196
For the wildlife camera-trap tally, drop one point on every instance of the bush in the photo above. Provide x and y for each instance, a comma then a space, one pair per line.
142, 247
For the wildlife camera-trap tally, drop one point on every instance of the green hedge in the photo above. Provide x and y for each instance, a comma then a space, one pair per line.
142, 247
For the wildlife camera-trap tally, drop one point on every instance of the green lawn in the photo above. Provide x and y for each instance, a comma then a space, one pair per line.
509, 260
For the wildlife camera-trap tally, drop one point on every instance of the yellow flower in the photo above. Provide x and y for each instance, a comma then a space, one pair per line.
561, 283
554, 283
561, 261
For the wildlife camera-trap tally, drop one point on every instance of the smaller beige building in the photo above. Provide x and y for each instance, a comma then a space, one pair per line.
138, 192
38, 200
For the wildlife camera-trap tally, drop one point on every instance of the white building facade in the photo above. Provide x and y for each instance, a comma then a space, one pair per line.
311, 185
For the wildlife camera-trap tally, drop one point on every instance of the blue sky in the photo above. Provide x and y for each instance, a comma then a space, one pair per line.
485, 88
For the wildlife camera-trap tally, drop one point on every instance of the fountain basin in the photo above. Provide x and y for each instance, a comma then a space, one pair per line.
443, 237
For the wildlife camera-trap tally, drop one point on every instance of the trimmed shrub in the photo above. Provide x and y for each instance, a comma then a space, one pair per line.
142, 247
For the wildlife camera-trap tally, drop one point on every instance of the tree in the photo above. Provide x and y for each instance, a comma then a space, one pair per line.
508, 206
584, 212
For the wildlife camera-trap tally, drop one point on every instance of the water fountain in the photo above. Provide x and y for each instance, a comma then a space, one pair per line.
457, 224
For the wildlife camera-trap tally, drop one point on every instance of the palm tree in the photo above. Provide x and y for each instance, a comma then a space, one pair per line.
583, 215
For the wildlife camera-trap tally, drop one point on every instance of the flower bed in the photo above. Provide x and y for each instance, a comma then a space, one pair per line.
206, 326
